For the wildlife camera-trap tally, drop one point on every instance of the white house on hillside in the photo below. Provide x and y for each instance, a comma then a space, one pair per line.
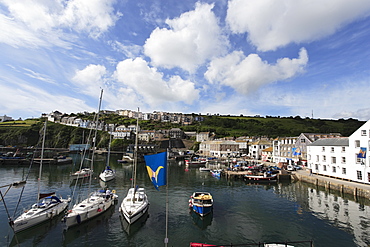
344, 157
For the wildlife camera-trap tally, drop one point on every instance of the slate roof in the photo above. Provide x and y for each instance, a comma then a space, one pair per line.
341, 141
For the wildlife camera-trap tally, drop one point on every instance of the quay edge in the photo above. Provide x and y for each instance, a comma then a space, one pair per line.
343, 186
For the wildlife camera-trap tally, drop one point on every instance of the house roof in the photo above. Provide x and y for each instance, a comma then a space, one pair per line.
341, 141
267, 149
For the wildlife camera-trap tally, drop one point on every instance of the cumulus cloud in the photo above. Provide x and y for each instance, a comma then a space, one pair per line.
247, 74
274, 23
190, 40
90, 79
149, 84
42, 23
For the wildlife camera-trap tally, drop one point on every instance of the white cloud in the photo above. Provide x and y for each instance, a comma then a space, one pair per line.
33, 23
20, 95
192, 39
39, 76
91, 79
93, 16
340, 99
148, 83
247, 74
129, 50
17, 35
274, 23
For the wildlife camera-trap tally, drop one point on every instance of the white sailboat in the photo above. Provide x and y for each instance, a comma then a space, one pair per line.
136, 202
108, 174
97, 202
47, 206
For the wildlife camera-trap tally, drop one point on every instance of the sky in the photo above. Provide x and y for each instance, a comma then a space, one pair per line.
307, 58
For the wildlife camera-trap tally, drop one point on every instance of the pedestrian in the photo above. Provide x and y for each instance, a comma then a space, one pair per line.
108, 194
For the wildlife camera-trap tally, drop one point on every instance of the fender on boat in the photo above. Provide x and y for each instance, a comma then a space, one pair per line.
78, 218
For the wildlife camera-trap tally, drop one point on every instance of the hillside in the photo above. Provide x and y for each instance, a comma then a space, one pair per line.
26, 133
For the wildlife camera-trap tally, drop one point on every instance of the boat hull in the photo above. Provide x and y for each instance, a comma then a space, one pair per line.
202, 210
36, 216
89, 208
260, 179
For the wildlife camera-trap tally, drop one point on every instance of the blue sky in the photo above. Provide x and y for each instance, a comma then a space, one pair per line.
250, 57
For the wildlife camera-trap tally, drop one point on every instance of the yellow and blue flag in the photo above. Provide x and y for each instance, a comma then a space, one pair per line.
156, 164
296, 151
362, 153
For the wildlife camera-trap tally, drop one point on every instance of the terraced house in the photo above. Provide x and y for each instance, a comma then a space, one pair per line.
343, 157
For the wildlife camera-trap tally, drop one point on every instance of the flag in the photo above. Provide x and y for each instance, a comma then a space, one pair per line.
362, 153
296, 151
156, 165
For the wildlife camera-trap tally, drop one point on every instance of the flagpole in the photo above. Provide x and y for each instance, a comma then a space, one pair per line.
166, 238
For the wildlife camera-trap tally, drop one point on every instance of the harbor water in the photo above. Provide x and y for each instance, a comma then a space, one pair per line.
243, 213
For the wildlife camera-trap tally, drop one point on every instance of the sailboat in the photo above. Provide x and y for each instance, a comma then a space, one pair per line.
97, 202
108, 174
47, 206
136, 202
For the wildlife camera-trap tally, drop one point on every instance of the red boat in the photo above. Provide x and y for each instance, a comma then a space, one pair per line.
201, 245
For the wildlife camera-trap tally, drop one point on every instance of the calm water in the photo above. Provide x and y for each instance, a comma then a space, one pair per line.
243, 213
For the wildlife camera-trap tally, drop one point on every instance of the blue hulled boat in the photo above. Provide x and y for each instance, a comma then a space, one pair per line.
201, 203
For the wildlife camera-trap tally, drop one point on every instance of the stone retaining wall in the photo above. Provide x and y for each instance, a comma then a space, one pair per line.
346, 188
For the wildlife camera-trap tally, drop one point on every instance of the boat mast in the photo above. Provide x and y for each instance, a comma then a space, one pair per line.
94, 139
110, 140
136, 149
42, 157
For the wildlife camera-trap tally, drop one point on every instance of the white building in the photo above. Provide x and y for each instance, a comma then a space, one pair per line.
255, 148
344, 158
5, 118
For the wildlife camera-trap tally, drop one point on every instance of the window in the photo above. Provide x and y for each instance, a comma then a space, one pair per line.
324, 167
333, 160
316, 167
363, 132
343, 160
343, 149
324, 158
323, 149
303, 140
332, 149
317, 158
368, 176
344, 170
334, 169
357, 144
359, 175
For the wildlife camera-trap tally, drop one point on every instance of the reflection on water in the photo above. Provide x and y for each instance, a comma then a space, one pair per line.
243, 213
345, 214
36, 234
131, 229
79, 232
201, 222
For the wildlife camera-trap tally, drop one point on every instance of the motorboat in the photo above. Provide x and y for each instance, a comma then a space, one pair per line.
201, 203
83, 173
107, 174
